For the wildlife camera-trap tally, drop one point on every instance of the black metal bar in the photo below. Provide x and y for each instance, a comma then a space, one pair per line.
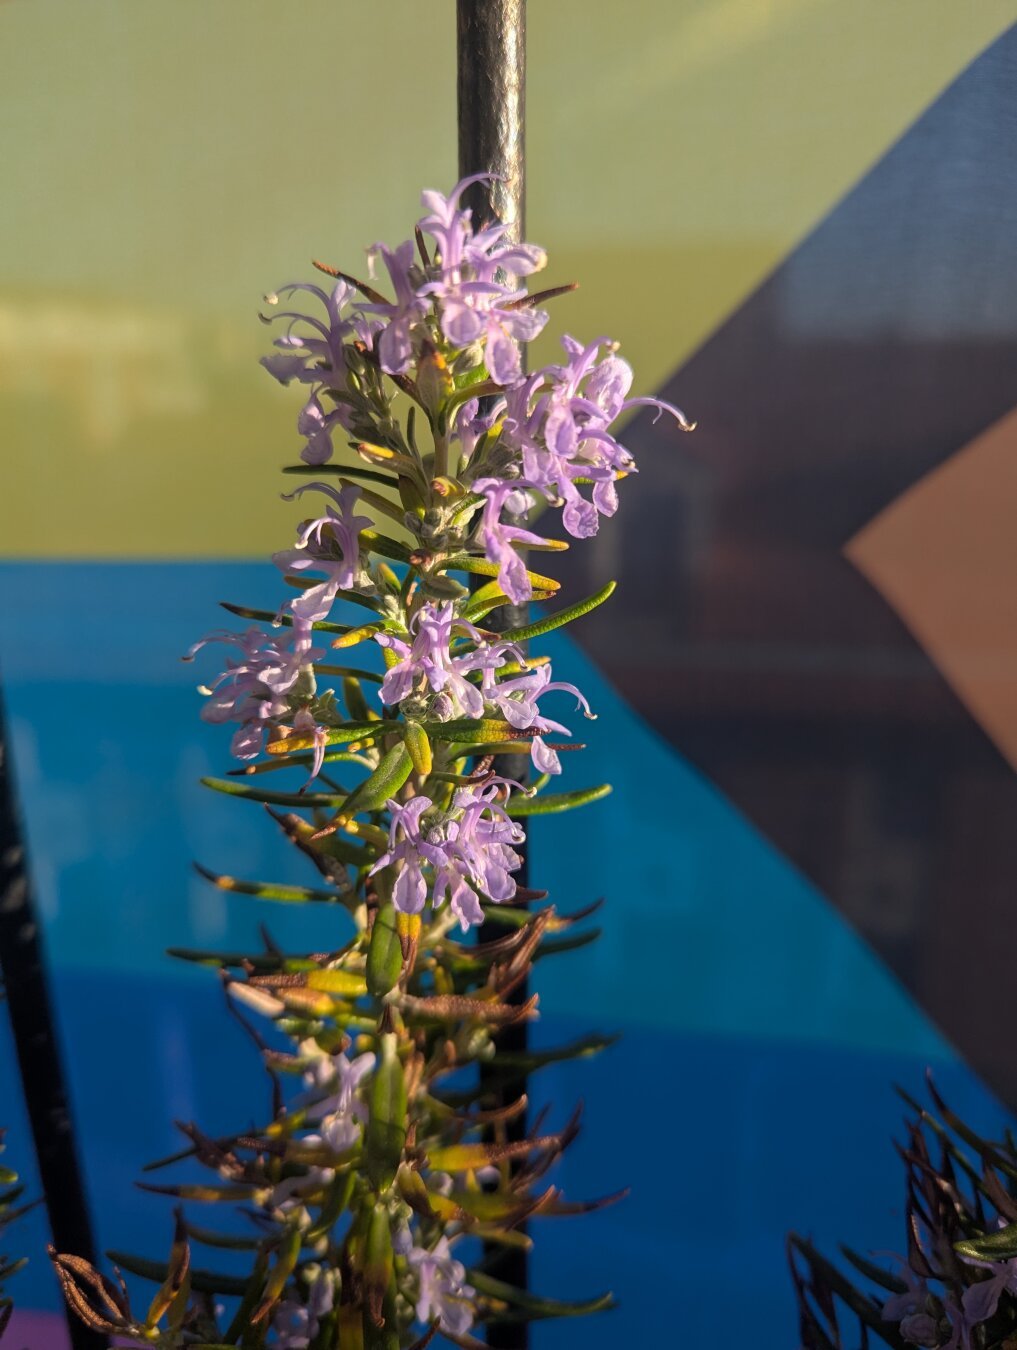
491, 84
35, 1038
491, 50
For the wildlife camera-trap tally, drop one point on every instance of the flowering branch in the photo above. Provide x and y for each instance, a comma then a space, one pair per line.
10, 1211
955, 1285
367, 1183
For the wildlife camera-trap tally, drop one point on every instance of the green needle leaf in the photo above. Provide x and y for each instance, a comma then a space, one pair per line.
270, 616
385, 953
352, 636
491, 596
419, 747
232, 788
388, 548
537, 1059
353, 697
466, 562
875, 1273
205, 1281
304, 760
353, 672
343, 470
529, 1305
342, 982
385, 1132
474, 731
347, 734
268, 890
556, 946
998, 1246
564, 616
557, 801
289, 1254
385, 782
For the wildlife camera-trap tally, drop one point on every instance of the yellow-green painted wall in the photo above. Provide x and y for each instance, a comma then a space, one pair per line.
163, 164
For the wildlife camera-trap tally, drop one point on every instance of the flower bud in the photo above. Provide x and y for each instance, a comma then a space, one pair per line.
304, 686
441, 709
432, 824
415, 706
920, 1329
434, 380
442, 587
468, 359
478, 1044
377, 1264
355, 362
384, 953
385, 1134
501, 462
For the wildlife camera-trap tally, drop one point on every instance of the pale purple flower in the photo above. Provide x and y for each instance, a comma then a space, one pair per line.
394, 345
329, 544
296, 1324
442, 1291
291, 1323
428, 658
471, 424
316, 425
589, 393
468, 848
481, 311
449, 225
474, 305
910, 1299
960, 1327
538, 425
499, 536
502, 322
981, 1300
516, 699
331, 1101
559, 419
253, 688
340, 1111
406, 846
314, 356
480, 832
459, 245
290, 1194
920, 1329
312, 351
305, 724
910, 1307
490, 257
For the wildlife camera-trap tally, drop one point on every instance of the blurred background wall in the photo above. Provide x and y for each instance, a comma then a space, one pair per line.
798, 217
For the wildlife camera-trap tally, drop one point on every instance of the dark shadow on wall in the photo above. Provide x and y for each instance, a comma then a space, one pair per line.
879, 349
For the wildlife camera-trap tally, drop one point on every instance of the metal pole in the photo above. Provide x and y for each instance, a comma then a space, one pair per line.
491, 50
491, 62
35, 1038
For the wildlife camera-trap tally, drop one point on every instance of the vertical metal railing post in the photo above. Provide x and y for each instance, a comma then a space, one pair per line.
37, 1045
491, 86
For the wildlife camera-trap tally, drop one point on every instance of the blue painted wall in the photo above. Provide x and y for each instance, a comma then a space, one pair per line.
751, 1091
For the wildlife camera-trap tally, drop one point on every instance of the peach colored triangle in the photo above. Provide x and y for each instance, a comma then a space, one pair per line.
944, 555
